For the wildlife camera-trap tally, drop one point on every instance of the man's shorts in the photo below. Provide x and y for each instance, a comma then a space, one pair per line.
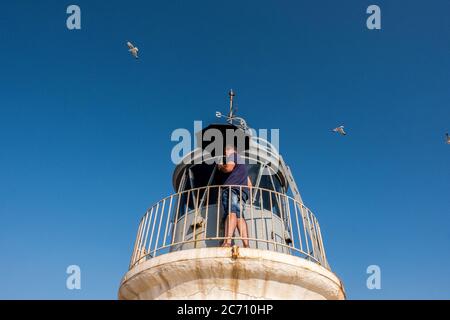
233, 204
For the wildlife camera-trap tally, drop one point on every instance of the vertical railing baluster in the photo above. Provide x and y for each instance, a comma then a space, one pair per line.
263, 219
314, 231
323, 248
311, 234
271, 219
206, 213
318, 253
169, 214
319, 240
148, 229
252, 218
136, 242
176, 219
146, 223
155, 217
298, 225
185, 216
229, 212
283, 227
304, 230
239, 221
159, 227
218, 211
289, 219
194, 235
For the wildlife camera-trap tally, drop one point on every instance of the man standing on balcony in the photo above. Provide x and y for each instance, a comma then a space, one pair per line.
235, 196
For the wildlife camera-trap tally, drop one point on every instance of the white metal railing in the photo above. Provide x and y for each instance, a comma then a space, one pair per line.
193, 219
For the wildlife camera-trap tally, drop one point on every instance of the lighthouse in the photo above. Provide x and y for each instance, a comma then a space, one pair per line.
179, 250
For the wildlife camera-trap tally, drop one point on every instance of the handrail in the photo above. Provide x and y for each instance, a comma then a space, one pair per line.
275, 222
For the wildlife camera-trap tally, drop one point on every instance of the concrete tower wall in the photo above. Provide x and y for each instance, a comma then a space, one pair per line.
218, 273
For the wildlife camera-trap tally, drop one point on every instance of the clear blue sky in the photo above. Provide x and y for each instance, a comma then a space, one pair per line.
85, 129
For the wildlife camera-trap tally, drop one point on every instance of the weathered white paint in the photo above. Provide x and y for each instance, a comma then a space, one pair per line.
212, 273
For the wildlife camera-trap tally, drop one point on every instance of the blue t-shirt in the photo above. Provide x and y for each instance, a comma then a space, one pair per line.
239, 175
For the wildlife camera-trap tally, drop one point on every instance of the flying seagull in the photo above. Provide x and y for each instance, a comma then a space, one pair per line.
447, 138
340, 130
133, 50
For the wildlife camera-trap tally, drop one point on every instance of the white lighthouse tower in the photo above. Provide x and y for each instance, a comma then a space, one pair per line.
178, 253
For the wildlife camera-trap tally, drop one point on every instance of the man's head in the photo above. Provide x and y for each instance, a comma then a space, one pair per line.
229, 149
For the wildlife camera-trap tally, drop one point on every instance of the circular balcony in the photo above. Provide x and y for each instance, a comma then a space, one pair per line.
193, 219
178, 254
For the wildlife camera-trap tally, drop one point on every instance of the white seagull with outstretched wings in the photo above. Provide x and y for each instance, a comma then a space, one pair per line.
133, 50
340, 130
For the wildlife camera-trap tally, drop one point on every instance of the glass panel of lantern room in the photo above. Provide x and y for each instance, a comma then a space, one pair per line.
253, 171
196, 176
186, 202
267, 187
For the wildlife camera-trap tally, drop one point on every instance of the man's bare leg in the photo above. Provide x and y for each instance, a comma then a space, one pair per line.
243, 232
230, 226
225, 242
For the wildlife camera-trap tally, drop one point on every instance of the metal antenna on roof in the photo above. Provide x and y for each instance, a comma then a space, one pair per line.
231, 118
231, 114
